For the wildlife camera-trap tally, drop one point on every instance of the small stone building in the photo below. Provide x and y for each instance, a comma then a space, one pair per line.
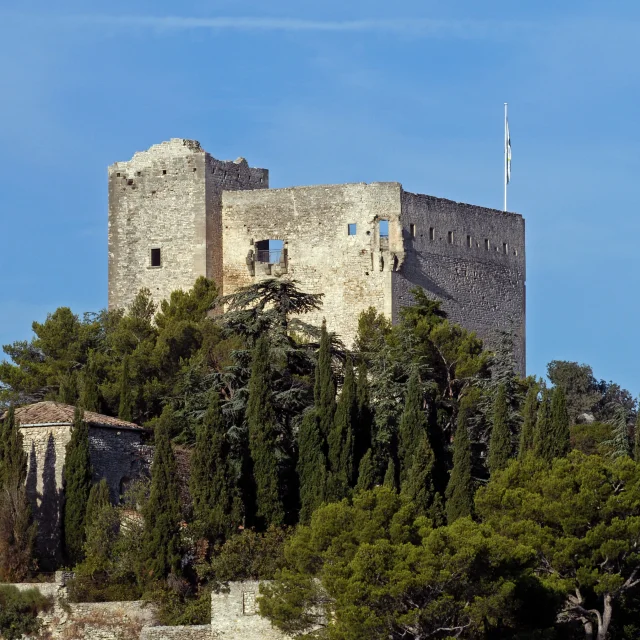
118, 450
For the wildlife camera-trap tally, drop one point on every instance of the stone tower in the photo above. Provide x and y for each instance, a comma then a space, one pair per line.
164, 218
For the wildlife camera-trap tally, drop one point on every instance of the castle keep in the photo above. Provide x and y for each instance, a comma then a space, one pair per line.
177, 213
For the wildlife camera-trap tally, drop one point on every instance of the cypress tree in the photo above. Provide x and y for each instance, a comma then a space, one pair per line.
263, 439
312, 466
161, 539
125, 409
68, 389
211, 483
500, 448
340, 438
560, 423
324, 391
362, 437
390, 476
636, 440
418, 484
99, 498
543, 435
5, 427
413, 425
529, 416
13, 459
90, 396
366, 472
460, 491
77, 486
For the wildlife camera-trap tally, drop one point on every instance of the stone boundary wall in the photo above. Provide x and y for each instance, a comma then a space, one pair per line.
196, 632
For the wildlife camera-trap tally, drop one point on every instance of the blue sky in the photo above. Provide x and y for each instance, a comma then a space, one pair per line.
333, 92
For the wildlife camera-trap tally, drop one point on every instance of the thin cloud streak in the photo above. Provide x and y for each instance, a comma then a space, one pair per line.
463, 29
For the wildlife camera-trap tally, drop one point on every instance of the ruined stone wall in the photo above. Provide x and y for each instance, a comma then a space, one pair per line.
352, 271
117, 455
471, 258
168, 198
195, 632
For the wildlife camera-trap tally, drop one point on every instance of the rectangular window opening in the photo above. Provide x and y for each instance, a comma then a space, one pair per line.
505, 247
450, 236
351, 229
412, 230
164, 172
486, 244
384, 228
156, 260
432, 233
468, 241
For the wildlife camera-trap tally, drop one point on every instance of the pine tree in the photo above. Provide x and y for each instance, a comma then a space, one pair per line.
340, 438
77, 486
362, 437
99, 498
312, 466
211, 484
125, 409
161, 540
413, 425
390, 476
529, 415
325, 387
500, 447
418, 484
90, 396
560, 423
263, 439
460, 489
619, 442
543, 435
366, 472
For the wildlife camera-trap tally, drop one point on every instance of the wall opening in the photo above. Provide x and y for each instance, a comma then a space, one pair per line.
383, 226
450, 237
468, 241
505, 248
351, 228
432, 233
412, 230
486, 244
156, 259
269, 251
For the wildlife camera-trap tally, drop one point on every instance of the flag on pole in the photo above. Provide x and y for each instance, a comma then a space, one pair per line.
508, 152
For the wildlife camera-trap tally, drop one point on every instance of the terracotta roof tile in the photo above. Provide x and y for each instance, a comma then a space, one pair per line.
55, 412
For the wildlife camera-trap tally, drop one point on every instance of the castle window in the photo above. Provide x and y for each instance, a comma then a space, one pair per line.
384, 228
412, 230
486, 244
468, 241
269, 251
432, 233
118, 174
164, 172
450, 236
351, 229
156, 260
505, 248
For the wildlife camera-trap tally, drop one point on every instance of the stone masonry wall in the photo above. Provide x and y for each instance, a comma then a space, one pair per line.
195, 632
471, 258
352, 271
117, 455
168, 198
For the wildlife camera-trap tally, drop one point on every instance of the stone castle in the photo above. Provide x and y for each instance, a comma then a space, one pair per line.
177, 213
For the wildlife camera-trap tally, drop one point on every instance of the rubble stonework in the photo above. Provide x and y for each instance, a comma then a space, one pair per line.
361, 245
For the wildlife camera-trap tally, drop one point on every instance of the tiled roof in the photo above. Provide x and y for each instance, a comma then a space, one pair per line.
57, 413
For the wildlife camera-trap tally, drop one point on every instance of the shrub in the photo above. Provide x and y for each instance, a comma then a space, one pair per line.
19, 611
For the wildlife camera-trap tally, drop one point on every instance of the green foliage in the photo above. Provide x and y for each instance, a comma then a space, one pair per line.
529, 415
19, 611
591, 439
216, 504
366, 473
324, 391
390, 481
500, 447
412, 428
312, 466
560, 423
579, 385
125, 408
13, 459
460, 489
543, 438
102, 528
341, 438
263, 440
77, 486
370, 570
619, 444
90, 395
99, 498
582, 518
161, 543
636, 440
362, 438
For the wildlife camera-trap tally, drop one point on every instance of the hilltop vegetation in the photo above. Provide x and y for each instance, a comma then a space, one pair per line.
412, 487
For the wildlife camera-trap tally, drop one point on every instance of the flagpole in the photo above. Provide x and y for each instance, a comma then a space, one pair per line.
506, 159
